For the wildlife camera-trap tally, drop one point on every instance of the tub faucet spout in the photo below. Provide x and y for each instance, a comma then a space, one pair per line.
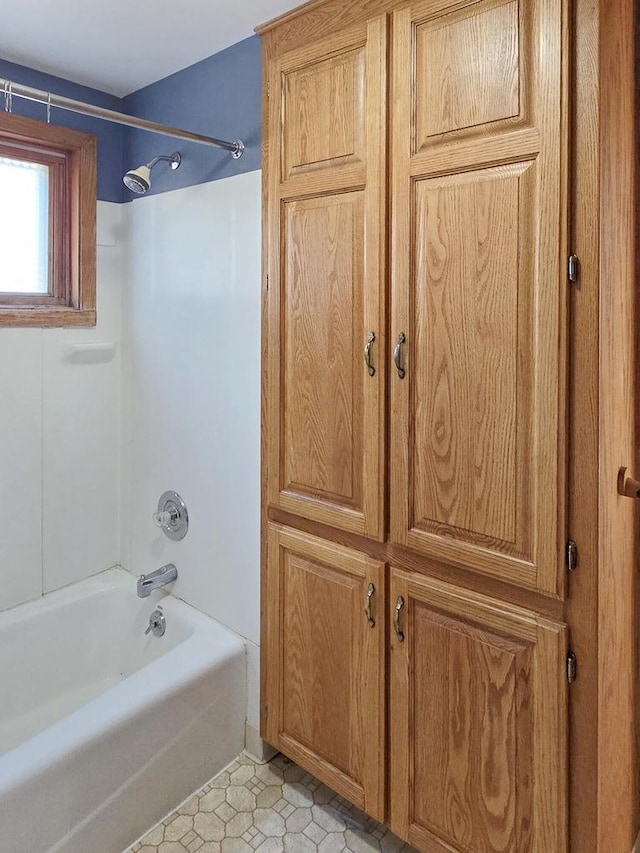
154, 580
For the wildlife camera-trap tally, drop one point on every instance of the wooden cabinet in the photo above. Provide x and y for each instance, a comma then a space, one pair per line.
477, 721
325, 686
479, 228
326, 273
430, 436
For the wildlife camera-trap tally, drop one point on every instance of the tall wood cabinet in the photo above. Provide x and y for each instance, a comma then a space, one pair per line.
327, 206
415, 427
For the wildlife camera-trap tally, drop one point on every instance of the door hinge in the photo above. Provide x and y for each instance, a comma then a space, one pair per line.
268, 88
572, 667
572, 555
267, 284
573, 269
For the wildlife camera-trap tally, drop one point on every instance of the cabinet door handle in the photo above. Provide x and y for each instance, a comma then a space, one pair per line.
397, 356
396, 619
367, 607
367, 353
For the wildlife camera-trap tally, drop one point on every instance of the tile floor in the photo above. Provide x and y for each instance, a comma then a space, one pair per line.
268, 808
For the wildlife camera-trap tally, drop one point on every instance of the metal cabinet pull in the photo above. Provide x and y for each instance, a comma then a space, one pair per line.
367, 353
396, 619
627, 486
367, 608
397, 356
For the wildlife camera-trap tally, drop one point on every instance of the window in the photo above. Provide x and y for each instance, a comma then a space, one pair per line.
47, 224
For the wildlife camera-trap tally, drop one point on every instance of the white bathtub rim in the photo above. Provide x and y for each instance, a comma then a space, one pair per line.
114, 577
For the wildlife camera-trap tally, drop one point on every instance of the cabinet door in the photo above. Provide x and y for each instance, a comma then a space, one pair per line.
478, 722
479, 286
326, 270
324, 608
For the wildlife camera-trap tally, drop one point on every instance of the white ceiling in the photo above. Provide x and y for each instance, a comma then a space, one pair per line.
120, 46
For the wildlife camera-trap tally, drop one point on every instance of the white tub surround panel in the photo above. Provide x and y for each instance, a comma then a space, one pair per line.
20, 465
81, 420
59, 437
191, 395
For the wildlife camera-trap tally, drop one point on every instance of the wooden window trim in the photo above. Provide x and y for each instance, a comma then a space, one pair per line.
71, 157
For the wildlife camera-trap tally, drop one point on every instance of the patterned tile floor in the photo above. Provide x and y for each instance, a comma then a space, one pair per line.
268, 808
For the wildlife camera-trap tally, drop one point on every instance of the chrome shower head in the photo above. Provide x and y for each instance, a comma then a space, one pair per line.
139, 180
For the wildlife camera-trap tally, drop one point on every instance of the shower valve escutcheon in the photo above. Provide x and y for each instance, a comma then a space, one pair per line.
172, 516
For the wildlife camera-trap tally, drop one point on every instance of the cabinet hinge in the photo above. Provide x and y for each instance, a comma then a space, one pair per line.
572, 555
572, 667
267, 284
268, 88
573, 269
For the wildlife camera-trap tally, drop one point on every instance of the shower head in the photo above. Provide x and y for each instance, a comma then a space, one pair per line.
139, 180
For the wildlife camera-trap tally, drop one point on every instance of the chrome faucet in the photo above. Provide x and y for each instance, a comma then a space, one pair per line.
154, 580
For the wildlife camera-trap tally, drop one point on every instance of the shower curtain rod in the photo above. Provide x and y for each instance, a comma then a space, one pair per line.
10, 89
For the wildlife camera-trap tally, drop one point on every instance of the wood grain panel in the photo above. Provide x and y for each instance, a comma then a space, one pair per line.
323, 334
582, 599
326, 411
478, 741
618, 605
478, 425
467, 69
472, 703
468, 469
316, 631
325, 700
324, 122
411, 560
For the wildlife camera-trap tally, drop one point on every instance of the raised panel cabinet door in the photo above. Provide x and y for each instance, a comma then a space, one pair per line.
324, 607
326, 269
479, 289
478, 717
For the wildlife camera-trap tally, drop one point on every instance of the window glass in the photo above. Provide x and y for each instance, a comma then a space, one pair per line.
24, 227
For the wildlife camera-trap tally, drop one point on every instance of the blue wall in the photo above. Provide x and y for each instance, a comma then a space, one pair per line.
110, 136
219, 96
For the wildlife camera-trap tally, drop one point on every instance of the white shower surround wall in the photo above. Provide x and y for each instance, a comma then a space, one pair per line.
191, 395
109, 729
60, 442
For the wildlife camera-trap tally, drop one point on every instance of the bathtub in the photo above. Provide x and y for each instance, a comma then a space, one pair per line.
104, 730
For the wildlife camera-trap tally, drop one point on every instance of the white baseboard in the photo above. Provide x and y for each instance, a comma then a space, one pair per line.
256, 747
